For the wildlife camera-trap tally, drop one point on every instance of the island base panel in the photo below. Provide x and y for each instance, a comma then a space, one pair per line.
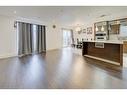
110, 51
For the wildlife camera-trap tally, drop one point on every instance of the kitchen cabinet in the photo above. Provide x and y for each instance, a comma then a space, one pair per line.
110, 52
125, 47
114, 27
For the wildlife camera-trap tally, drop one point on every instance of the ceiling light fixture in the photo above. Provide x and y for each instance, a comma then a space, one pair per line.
102, 28
96, 28
78, 29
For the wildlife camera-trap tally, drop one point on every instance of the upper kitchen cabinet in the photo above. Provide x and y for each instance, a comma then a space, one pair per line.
114, 27
101, 26
118, 27
123, 27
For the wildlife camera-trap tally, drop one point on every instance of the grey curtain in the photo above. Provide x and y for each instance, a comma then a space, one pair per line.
41, 39
24, 38
72, 36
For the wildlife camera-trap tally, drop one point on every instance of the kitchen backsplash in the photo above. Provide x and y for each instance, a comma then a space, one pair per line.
117, 37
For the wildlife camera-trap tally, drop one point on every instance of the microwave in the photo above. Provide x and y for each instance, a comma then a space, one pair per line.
101, 36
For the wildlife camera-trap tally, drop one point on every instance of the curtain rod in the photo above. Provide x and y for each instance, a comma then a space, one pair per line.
30, 23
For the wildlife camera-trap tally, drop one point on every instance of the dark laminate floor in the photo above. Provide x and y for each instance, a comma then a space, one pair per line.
60, 69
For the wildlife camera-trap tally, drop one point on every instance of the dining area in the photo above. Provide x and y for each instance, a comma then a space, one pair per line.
78, 43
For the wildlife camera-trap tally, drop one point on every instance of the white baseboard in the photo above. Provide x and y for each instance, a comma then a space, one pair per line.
8, 55
53, 49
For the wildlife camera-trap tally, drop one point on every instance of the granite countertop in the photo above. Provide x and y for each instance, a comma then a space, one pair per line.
108, 41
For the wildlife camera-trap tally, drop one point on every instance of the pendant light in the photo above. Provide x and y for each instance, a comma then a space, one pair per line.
102, 28
96, 28
78, 29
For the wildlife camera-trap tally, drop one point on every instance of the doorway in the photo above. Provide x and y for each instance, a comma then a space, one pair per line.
67, 37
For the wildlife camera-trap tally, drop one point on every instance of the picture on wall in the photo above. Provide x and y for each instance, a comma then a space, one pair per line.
84, 31
89, 30
79, 32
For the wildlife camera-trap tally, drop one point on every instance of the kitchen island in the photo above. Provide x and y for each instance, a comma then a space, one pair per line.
108, 51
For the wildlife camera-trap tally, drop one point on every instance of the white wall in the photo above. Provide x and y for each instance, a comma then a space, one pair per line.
53, 37
8, 36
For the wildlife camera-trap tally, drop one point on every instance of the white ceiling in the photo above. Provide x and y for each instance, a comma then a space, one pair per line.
66, 15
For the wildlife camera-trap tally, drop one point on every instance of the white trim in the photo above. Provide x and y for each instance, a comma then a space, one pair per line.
8, 55
101, 59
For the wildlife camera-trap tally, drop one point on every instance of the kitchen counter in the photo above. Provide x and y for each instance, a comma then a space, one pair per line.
108, 41
108, 51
